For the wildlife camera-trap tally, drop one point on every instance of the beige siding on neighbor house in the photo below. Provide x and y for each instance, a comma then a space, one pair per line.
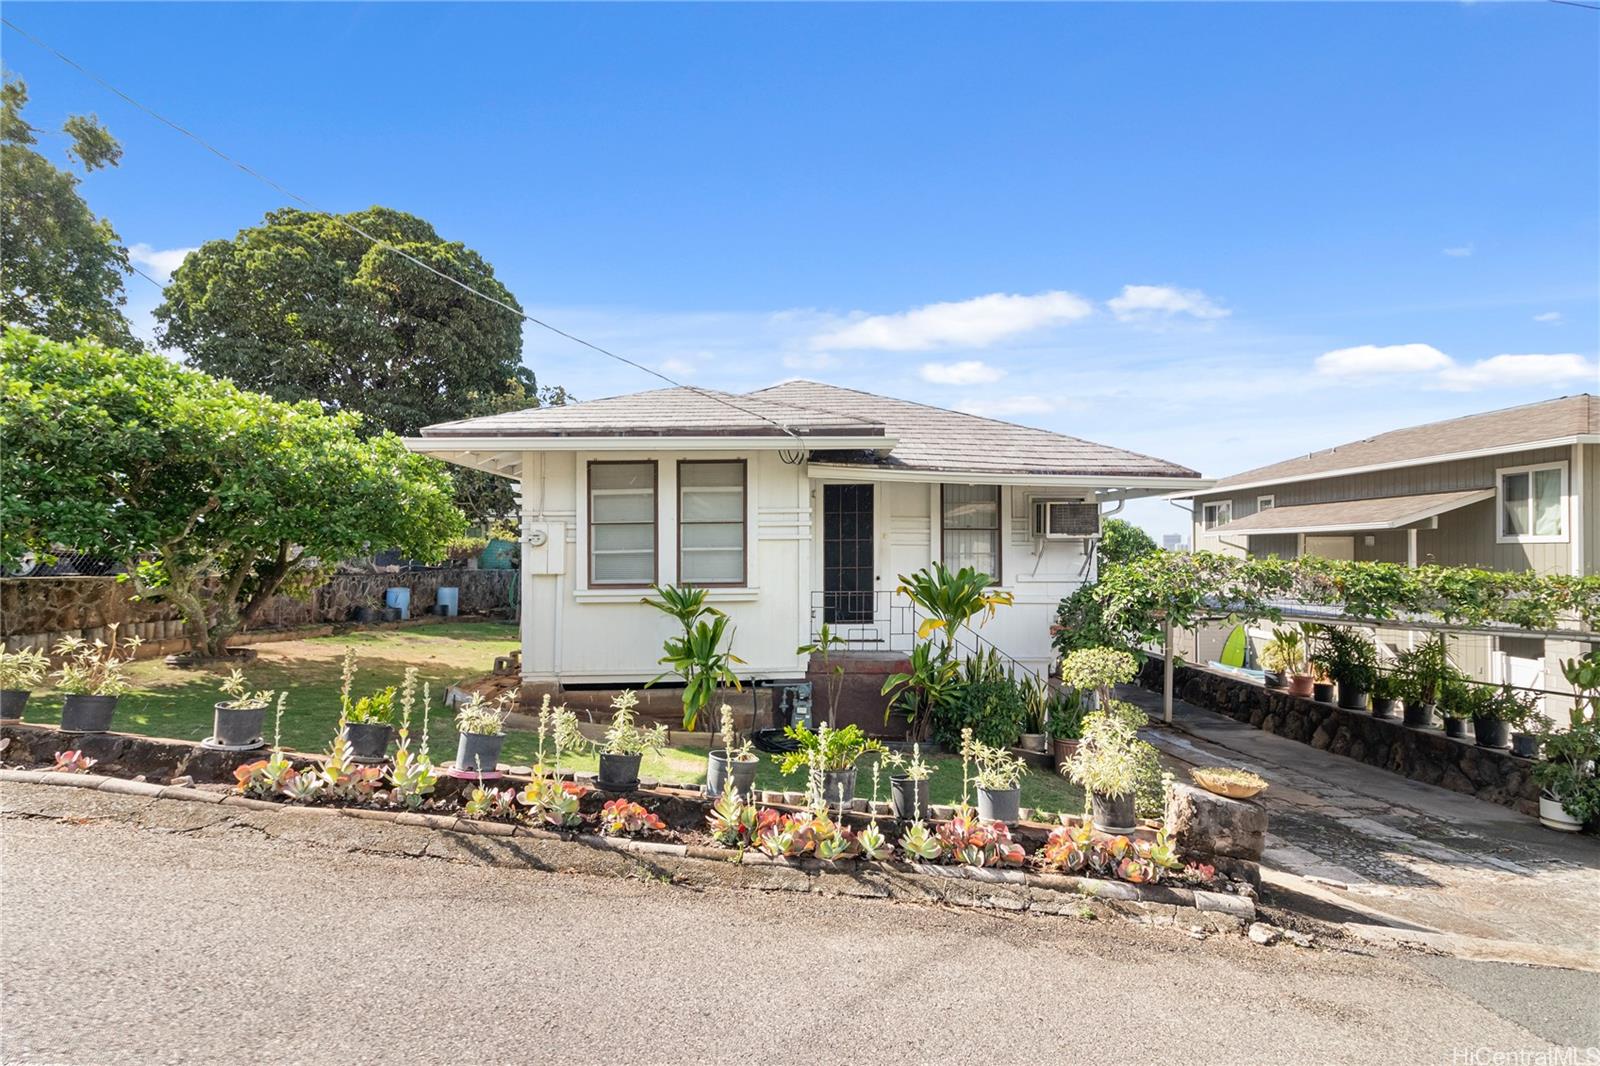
1590, 501
1465, 537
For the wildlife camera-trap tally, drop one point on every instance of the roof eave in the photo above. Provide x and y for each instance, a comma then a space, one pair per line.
1107, 479
437, 443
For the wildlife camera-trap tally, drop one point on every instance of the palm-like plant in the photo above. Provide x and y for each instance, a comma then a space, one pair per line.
684, 602
704, 664
933, 678
950, 600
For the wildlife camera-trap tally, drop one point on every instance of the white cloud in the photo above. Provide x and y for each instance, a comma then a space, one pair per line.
161, 261
1142, 303
966, 372
1552, 317
1366, 359
975, 323
1461, 252
678, 368
1510, 371
1009, 406
812, 361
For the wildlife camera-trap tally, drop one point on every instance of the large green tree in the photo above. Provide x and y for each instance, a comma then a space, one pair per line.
61, 268
303, 307
214, 498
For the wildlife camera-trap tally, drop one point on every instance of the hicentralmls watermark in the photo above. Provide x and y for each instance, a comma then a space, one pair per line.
1556, 1056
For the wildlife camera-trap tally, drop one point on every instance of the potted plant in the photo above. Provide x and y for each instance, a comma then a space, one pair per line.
1386, 691
1285, 655
1457, 698
1066, 725
908, 785
1113, 765
1035, 714
92, 676
1496, 710
1570, 796
1528, 735
733, 765
1350, 660
237, 722
366, 613
369, 726
830, 756
20, 670
481, 729
1424, 670
998, 775
621, 749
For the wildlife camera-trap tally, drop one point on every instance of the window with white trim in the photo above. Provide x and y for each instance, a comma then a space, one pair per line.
969, 526
1216, 515
622, 523
1266, 503
711, 522
1532, 503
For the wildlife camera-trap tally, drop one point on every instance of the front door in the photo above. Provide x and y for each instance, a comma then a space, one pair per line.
847, 571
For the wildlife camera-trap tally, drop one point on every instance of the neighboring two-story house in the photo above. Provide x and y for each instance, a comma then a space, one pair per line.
1514, 489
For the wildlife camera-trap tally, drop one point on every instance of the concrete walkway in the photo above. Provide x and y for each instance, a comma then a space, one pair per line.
1398, 852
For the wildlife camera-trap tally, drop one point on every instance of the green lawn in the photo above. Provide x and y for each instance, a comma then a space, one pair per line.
178, 703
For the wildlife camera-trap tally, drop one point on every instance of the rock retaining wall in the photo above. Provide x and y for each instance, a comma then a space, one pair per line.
38, 612
1425, 755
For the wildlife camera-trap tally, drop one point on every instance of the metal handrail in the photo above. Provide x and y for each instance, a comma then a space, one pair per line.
893, 626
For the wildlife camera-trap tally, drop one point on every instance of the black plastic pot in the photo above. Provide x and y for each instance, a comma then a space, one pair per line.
391, 614
1457, 728
908, 798
479, 752
1419, 715
1525, 745
237, 727
1273, 679
369, 741
744, 774
87, 714
1491, 732
364, 614
1113, 814
836, 783
1000, 804
619, 773
1383, 707
12, 701
1352, 699
1322, 691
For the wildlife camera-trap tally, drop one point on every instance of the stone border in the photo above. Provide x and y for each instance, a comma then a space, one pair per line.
1003, 889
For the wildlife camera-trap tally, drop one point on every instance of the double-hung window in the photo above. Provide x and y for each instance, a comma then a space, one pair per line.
622, 523
970, 526
1216, 515
711, 522
1533, 503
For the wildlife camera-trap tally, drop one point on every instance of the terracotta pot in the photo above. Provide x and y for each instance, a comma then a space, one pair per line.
1065, 749
1300, 685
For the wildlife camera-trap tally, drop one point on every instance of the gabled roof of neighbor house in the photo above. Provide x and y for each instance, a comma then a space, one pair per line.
841, 427
1566, 420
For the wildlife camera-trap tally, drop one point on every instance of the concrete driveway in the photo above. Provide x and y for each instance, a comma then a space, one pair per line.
136, 942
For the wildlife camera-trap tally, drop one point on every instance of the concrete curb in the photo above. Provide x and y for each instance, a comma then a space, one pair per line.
961, 885
1480, 949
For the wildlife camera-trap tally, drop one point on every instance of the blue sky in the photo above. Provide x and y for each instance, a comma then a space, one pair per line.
1221, 234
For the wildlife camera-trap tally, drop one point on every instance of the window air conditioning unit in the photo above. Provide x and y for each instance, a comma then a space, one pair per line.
1065, 520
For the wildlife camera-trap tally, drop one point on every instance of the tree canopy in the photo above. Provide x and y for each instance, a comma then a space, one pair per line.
214, 498
302, 307
61, 268
1122, 542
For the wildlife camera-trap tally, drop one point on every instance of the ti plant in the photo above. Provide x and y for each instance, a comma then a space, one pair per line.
826, 641
697, 655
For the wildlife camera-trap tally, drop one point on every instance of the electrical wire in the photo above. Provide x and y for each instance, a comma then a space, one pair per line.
378, 241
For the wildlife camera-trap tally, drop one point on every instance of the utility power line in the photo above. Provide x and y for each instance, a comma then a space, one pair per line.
378, 241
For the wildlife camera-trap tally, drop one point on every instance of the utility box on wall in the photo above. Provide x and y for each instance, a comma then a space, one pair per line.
544, 547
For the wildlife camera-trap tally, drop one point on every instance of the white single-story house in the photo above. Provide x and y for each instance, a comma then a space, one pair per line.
794, 505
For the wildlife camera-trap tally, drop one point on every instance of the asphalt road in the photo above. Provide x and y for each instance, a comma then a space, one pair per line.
130, 946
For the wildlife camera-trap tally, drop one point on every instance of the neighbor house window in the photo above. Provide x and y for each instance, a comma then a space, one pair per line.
711, 529
622, 523
1215, 515
970, 525
1266, 503
1533, 503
